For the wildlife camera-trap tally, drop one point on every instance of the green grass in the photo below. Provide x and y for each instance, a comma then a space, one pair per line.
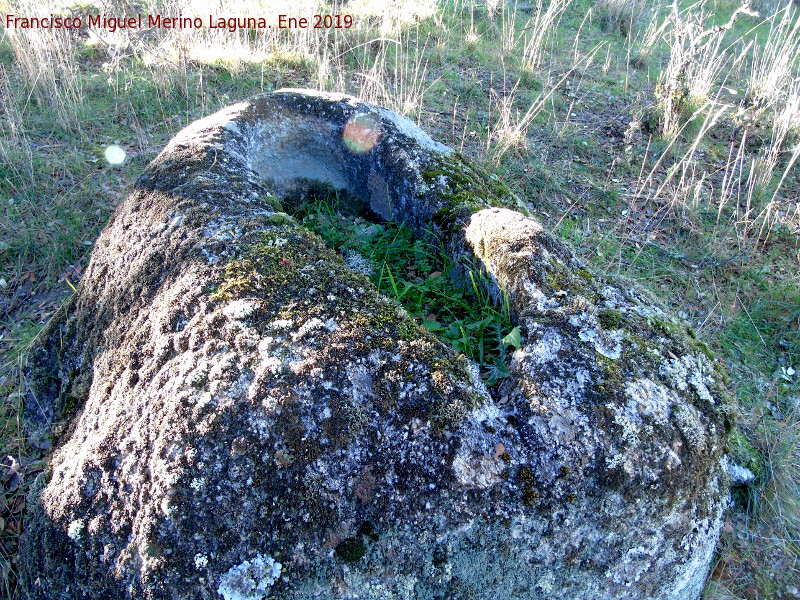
446, 299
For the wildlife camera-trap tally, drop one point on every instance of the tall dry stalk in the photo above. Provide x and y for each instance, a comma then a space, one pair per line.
644, 44
539, 27
510, 35
15, 148
696, 61
510, 128
782, 494
775, 68
46, 59
619, 15
393, 73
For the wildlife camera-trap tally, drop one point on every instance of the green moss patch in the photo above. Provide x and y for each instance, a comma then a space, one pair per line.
610, 319
468, 189
351, 550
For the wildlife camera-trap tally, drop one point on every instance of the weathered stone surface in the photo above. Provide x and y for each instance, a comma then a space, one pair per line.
237, 414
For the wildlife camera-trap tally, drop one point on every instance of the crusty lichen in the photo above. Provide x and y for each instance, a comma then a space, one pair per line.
250, 580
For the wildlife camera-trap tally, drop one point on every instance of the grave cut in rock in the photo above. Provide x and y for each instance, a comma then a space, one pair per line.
237, 414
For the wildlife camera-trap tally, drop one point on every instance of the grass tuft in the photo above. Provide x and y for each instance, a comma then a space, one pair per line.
449, 300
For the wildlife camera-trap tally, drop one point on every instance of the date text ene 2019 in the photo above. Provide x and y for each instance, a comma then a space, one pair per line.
316, 22
232, 24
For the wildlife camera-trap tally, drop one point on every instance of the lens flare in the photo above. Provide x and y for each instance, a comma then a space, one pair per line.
361, 133
114, 155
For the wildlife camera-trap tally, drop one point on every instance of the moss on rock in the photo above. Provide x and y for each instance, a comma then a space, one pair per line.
351, 550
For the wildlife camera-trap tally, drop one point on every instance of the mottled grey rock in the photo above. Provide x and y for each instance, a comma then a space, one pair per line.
237, 414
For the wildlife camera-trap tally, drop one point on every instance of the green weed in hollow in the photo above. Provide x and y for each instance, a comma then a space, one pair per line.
419, 274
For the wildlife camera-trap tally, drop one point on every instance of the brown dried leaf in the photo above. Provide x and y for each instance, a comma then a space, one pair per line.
728, 527
13, 526
498, 450
720, 573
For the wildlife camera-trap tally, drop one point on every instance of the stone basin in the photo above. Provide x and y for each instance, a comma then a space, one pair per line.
238, 415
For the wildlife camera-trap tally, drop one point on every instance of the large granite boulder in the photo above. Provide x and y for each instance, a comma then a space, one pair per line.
238, 415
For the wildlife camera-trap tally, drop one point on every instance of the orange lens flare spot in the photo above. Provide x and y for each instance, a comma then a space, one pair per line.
361, 133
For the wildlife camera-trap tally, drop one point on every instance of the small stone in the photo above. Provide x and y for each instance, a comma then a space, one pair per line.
739, 476
499, 450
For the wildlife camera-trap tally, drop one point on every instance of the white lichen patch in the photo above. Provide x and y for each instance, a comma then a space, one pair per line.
175, 221
649, 399
224, 365
479, 388
606, 342
75, 530
240, 309
233, 127
672, 461
222, 230
358, 263
698, 382
546, 582
360, 587
198, 376
277, 242
487, 413
688, 420
407, 127
200, 561
634, 564
476, 471
271, 360
543, 301
281, 324
689, 371
629, 427
612, 297
546, 348
737, 474
614, 461
308, 327
250, 580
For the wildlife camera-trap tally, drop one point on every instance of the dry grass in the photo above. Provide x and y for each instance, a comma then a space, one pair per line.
539, 28
46, 58
15, 147
774, 67
510, 128
393, 74
781, 503
697, 59
620, 15
694, 100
